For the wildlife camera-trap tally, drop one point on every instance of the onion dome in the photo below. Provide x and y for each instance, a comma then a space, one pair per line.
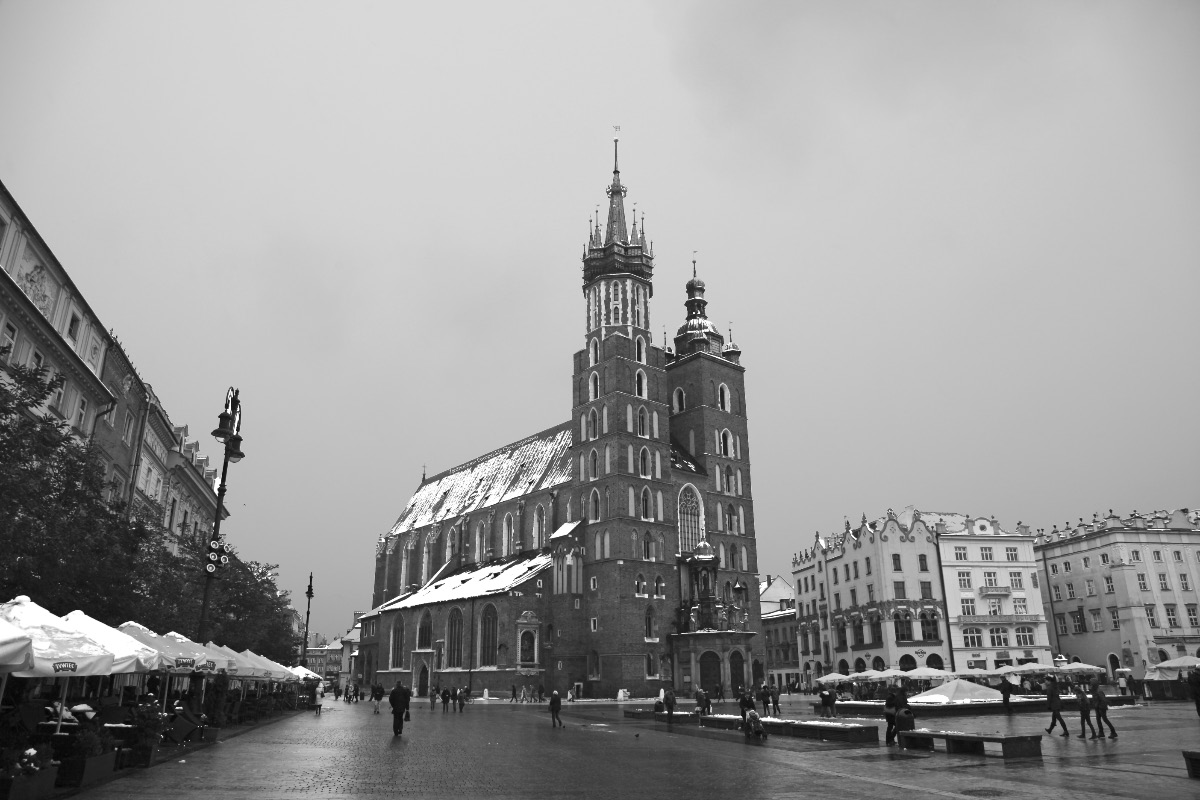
704, 550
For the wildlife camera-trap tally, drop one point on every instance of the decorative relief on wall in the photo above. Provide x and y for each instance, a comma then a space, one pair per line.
37, 283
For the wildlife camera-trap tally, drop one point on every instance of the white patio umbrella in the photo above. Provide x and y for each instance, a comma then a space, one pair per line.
1077, 668
178, 657
833, 676
60, 650
304, 673
927, 673
129, 655
16, 651
1183, 662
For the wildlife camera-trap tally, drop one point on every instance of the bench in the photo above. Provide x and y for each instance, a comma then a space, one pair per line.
1192, 759
1011, 746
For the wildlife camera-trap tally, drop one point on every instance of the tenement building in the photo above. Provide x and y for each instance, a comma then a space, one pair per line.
1122, 591
777, 604
871, 597
613, 551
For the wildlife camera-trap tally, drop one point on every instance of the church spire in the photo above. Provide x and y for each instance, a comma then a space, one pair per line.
616, 230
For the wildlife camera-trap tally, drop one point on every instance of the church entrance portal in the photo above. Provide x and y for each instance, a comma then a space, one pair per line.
737, 671
710, 671
423, 685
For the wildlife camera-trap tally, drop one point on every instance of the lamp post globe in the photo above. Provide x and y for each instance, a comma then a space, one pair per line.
229, 425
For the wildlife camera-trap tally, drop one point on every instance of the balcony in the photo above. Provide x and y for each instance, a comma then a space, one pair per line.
997, 619
995, 591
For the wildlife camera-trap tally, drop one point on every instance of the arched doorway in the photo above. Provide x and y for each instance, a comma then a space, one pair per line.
1114, 664
844, 667
710, 671
1162, 656
934, 661
737, 671
907, 662
423, 682
878, 664
860, 665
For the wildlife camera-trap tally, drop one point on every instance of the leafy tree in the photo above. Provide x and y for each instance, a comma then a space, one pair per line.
67, 547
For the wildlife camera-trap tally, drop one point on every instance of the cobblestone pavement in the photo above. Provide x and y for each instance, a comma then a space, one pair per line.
500, 750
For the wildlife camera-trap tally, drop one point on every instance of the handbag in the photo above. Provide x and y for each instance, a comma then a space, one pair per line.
407, 716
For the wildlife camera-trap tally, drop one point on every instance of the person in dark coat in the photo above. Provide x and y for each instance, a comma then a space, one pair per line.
1054, 703
1085, 713
446, 699
669, 704
555, 707
1100, 702
889, 714
399, 699
1194, 683
746, 703
1006, 690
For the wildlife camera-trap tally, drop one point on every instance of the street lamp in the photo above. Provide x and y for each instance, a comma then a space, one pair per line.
228, 433
307, 614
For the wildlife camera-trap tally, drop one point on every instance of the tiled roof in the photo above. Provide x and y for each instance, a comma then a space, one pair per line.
536, 462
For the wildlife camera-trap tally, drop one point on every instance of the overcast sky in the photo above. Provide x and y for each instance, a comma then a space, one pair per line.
959, 243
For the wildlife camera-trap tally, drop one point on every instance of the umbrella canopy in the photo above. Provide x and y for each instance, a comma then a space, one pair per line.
956, 691
211, 661
240, 665
60, 650
891, 673
833, 676
865, 675
16, 648
278, 672
1183, 662
305, 674
129, 655
1077, 668
1029, 668
177, 657
923, 673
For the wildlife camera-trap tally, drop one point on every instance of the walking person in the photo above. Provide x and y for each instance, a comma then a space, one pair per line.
514, 694
555, 708
1006, 690
453, 698
764, 697
889, 714
398, 699
1100, 701
669, 703
445, 699
775, 699
1054, 703
433, 698
1085, 713
462, 699
377, 695
319, 697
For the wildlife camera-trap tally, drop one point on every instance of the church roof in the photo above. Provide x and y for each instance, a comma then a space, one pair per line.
536, 462
681, 459
479, 581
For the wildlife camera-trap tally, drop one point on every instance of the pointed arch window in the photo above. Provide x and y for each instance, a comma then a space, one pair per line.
593, 386
726, 444
425, 632
615, 299
594, 507
640, 384
643, 427
651, 627
594, 472
397, 660
723, 398
689, 519
647, 505
593, 353
489, 637
591, 424
454, 639
640, 350
639, 585
508, 535
660, 587
729, 485
678, 400
644, 463
539, 527
733, 559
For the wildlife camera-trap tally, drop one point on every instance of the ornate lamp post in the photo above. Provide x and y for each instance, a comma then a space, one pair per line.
227, 432
307, 614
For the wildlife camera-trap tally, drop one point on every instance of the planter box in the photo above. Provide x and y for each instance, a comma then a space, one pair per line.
29, 787
86, 771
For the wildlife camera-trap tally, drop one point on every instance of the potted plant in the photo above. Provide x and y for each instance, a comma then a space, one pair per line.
148, 723
90, 757
27, 774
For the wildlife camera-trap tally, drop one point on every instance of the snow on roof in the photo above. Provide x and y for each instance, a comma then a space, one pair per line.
682, 460
533, 463
488, 579
779, 613
565, 529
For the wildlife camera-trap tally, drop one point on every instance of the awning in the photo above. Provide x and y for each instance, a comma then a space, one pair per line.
60, 650
179, 657
16, 648
129, 654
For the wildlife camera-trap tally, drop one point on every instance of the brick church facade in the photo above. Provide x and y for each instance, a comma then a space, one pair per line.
614, 551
